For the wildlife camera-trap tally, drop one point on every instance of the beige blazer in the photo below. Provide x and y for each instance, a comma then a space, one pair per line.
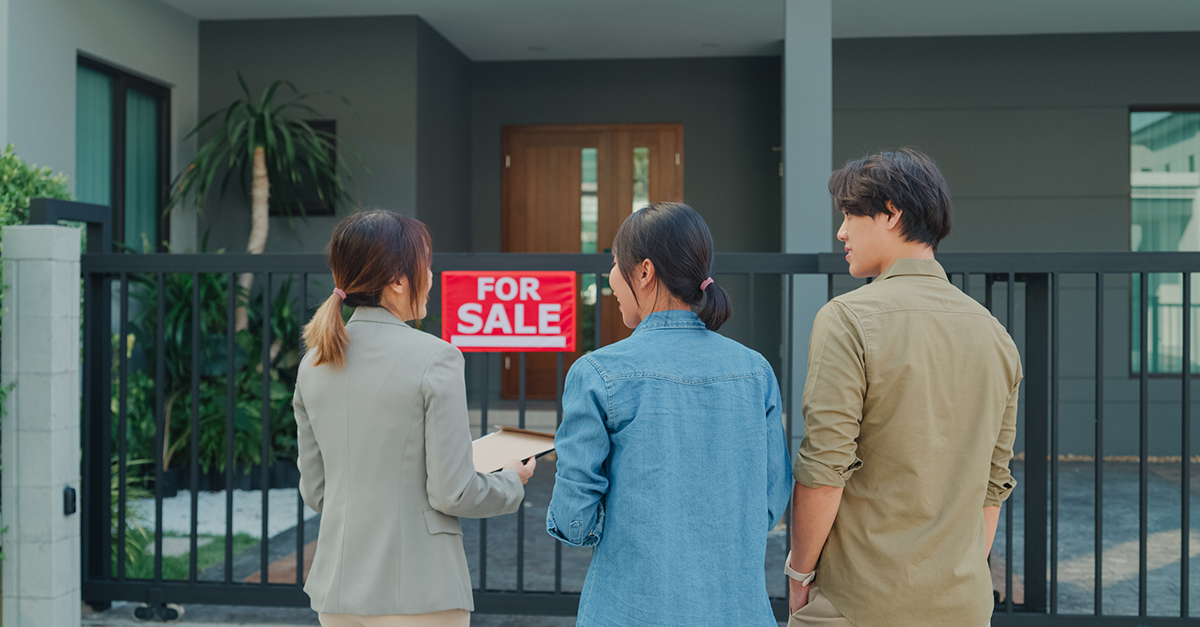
385, 456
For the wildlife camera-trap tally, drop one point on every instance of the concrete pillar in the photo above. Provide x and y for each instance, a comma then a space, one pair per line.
808, 153
39, 353
3, 73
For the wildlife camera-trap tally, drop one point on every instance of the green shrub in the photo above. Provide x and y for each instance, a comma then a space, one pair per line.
20, 182
177, 567
213, 360
136, 536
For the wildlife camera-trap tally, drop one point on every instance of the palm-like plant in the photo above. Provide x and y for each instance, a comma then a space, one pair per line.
282, 156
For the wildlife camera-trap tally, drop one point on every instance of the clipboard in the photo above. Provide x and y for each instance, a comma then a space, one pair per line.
494, 450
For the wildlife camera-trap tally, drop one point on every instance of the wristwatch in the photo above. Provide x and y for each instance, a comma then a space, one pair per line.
805, 579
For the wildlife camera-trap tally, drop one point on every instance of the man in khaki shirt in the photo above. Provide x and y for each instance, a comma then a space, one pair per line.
910, 414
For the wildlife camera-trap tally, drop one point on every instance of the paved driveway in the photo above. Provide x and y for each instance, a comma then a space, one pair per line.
1075, 568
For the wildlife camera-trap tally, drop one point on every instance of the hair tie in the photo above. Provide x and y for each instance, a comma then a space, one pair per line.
707, 282
340, 293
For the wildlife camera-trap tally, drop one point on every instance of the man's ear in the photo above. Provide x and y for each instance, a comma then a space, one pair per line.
893, 218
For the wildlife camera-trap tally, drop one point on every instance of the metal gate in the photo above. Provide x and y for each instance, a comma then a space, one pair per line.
179, 311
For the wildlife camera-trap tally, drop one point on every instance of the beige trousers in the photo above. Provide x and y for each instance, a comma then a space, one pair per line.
448, 618
820, 612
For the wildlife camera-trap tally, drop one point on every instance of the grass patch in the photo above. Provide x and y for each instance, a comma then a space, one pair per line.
140, 564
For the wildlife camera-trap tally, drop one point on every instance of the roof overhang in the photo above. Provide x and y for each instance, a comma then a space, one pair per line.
612, 29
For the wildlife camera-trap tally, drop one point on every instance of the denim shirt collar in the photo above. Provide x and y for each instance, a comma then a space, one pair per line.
670, 319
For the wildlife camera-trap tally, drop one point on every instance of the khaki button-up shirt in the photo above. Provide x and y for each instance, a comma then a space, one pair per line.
910, 405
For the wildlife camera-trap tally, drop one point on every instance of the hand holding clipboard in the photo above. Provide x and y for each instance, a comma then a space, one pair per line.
505, 447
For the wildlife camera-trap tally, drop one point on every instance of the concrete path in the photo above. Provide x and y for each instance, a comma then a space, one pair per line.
1076, 532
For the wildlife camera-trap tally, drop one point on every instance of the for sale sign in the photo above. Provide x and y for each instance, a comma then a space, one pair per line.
509, 311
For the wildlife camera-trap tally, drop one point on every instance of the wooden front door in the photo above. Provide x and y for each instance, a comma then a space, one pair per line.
567, 189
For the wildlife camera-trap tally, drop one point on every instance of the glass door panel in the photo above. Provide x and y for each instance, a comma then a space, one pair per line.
589, 221
121, 150
93, 136
141, 171
641, 178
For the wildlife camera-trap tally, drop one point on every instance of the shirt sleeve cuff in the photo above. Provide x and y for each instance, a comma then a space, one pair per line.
574, 535
811, 474
998, 493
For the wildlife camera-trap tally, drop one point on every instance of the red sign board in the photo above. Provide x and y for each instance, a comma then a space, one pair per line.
509, 311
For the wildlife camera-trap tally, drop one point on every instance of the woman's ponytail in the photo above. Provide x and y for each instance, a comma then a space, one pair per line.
367, 252
677, 241
326, 333
716, 309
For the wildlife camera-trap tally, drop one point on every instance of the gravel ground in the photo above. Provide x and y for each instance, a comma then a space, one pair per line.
247, 512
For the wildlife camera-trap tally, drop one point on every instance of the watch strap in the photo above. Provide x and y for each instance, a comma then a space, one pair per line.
805, 579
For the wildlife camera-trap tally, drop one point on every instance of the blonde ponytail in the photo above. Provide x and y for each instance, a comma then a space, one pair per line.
326, 333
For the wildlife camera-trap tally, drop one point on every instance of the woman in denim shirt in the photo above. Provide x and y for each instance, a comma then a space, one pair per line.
672, 459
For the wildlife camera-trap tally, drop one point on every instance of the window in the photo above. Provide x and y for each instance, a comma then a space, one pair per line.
122, 151
1165, 192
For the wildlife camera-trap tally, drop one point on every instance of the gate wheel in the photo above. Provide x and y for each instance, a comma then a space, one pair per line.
160, 613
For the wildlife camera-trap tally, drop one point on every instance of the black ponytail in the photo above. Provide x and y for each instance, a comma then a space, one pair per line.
677, 241
717, 308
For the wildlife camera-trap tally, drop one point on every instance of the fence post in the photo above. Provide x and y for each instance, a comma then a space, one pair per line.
1037, 434
96, 426
39, 353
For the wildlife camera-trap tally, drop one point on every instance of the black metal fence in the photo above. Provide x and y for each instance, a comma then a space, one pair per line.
181, 311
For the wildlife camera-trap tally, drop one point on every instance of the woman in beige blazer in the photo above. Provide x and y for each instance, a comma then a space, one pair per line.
384, 440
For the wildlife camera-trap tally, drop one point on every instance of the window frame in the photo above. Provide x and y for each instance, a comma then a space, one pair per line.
123, 81
1135, 373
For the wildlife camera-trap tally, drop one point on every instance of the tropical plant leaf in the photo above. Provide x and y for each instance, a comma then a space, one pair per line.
301, 161
245, 87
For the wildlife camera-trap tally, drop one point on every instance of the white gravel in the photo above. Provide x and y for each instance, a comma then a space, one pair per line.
210, 506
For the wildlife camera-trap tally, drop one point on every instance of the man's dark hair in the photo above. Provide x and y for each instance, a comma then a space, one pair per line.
908, 178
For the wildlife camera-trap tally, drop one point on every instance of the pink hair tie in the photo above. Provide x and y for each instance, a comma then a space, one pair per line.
340, 293
707, 282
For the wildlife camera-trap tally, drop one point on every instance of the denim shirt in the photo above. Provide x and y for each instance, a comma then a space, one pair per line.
673, 464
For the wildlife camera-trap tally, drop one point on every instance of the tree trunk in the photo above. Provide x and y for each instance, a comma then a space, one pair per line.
259, 223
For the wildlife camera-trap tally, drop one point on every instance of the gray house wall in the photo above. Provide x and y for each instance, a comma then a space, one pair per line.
1031, 132
370, 61
443, 140
42, 41
730, 109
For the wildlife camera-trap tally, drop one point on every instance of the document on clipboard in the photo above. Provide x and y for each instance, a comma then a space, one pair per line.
505, 444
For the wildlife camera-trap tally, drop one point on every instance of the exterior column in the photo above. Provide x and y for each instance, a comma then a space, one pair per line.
808, 153
39, 357
4, 38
